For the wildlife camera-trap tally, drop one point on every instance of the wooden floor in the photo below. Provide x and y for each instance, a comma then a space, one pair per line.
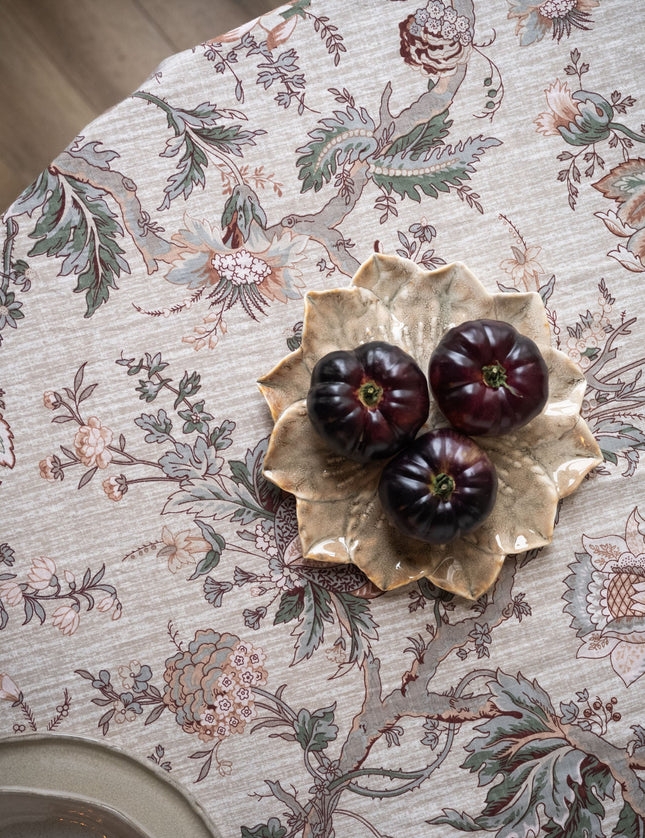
63, 62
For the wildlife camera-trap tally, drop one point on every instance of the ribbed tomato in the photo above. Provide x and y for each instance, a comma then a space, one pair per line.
368, 402
442, 486
488, 378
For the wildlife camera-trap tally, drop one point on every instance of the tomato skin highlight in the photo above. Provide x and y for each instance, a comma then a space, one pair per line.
487, 378
368, 402
439, 488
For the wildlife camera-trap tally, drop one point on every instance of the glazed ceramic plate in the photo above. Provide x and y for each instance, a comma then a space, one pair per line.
67, 787
340, 518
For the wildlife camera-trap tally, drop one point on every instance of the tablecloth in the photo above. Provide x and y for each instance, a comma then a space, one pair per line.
152, 594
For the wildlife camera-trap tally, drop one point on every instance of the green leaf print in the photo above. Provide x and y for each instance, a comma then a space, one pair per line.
418, 142
542, 781
316, 730
197, 135
76, 224
341, 139
272, 829
630, 825
310, 631
443, 167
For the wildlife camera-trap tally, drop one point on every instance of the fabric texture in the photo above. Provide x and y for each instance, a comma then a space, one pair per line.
151, 590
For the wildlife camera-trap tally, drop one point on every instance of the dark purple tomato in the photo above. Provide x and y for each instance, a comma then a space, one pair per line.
440, 487
488, 378
368, 402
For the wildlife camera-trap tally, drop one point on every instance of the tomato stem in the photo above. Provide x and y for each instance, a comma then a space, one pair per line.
370, 393
494, 375
442, 486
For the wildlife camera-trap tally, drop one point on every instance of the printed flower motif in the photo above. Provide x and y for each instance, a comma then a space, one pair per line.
524, 267
134, 676
91, 444
262, 270
625, 184
50, 468
340, 518
209, 686
562, 109
581, 118
125, 708
107, 603
276, 34
66, 618
264, 538
51, 400
606, 598
196, 419
42, 573
10, 309
436, 44
9, 690
115, 487
11, 592
181, 549
535, 20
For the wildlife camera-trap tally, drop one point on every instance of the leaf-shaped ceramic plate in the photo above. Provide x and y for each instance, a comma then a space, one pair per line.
339, 514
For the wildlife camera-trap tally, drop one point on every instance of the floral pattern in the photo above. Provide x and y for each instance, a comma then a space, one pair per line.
607, 598
153, 588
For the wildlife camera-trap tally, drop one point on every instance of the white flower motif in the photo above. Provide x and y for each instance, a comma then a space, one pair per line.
556, 8
241, 268
462, 24
448, 30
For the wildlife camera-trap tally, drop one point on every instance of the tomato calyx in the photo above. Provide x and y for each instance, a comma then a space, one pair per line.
495, 375
442, 486
370, 394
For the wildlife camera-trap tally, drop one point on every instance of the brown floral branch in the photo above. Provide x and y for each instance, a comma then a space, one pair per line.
622, 766
412, 698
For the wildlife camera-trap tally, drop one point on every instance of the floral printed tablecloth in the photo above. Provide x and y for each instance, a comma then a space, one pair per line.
152, 593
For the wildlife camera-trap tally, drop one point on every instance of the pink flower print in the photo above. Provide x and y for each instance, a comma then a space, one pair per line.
42, 573
51, 400
115, 487
11, 593
235, 724
562, 109
66, 618
247, 712
222, 728
524, 267
243, 696
107, 603
208, 717
122, 713
181, 549
129, 673
225, 684
50, 469
257, 658
8, 688
253, 677
223, 706
91, 444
